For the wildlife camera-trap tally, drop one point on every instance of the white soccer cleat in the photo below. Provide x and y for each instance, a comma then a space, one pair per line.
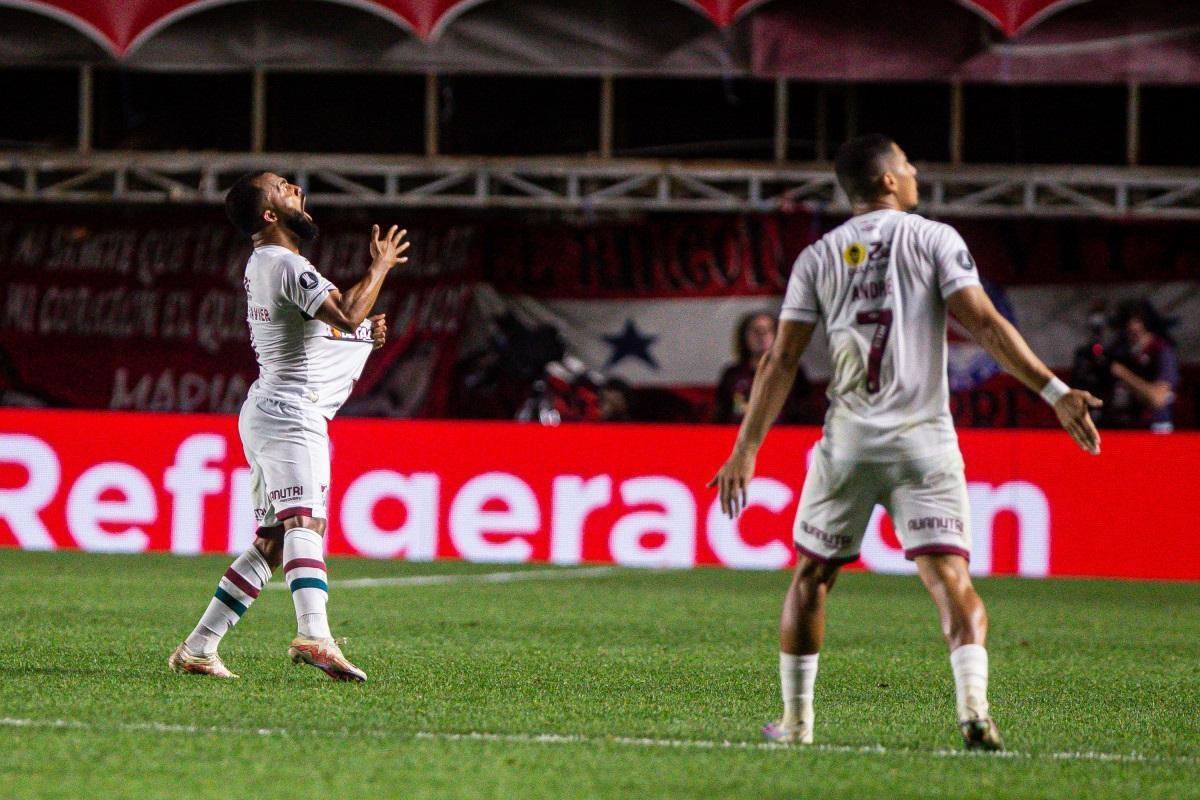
325, 655
782, 733
981, 734
185, 662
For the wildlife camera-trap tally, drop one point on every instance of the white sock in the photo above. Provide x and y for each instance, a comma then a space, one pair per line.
970, 665
237, 589
797, 676
304, 572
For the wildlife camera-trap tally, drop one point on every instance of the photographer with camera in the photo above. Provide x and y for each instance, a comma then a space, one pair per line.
1136, 373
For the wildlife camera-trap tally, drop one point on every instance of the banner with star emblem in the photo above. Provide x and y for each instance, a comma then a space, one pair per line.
655, 301
125, 308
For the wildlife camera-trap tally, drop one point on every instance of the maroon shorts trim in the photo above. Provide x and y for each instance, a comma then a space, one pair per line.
937, 549
836, 562
288, 513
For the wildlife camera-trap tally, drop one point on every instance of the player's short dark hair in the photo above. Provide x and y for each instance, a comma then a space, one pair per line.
244, 204
859, 165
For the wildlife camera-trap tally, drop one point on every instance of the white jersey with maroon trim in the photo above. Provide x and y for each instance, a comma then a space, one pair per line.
301, 360
879, 282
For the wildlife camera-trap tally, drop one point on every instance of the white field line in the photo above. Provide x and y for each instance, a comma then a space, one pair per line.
479, 577
581, 739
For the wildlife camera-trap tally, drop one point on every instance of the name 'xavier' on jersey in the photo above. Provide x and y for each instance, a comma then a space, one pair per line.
301, 360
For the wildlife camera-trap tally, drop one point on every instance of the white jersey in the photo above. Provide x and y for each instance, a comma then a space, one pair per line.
879, 284
301, 360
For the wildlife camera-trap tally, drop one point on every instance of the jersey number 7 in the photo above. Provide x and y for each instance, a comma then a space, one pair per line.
881, 318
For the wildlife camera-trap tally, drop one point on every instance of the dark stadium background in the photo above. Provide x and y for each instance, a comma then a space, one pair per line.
596, 191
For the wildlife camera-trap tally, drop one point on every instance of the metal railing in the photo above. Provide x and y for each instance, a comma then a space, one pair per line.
588, 185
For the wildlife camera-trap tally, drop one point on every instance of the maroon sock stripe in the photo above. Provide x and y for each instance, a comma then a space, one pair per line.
237, 580
311, 563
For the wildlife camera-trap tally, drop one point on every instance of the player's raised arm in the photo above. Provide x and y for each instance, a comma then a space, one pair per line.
772, 384
347, 310
973, 308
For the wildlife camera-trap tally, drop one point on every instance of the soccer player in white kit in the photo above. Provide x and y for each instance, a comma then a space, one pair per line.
882, 283
311, 342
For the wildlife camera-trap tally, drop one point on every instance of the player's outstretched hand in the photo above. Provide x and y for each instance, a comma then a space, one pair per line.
378, 330
1072, 410
732, 480
390, 248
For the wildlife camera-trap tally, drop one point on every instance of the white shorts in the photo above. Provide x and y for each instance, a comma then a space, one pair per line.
287, 448
926, 499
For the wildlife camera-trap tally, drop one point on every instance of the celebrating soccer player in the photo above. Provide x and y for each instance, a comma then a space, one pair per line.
311, 342
882, 283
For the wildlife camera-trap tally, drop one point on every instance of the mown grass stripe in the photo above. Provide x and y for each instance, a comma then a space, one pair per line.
583, 739
513, 576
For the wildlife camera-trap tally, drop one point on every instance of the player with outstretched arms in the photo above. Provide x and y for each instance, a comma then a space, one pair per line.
311, 342
882, 284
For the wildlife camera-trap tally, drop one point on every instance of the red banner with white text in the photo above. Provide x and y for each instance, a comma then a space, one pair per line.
129, 308
626, 494
145, 310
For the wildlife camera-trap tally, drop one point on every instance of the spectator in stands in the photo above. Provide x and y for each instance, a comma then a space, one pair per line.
754, 335
1090, 370
616, 400
1138, 372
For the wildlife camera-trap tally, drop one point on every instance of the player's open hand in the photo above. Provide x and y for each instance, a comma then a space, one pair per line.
378, 330
732, 481
1073, 414
390, 248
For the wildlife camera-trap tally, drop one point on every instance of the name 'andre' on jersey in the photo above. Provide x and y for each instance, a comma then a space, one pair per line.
879, 283
301, 360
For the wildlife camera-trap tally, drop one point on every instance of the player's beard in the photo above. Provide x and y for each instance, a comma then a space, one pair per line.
298, 223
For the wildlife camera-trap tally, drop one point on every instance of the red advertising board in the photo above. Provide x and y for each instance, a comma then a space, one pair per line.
625, 494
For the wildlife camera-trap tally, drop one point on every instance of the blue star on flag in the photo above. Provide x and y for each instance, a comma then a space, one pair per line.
631, 343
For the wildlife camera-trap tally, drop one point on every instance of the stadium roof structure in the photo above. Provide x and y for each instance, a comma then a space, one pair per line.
1009, 41
826, 42
587, 186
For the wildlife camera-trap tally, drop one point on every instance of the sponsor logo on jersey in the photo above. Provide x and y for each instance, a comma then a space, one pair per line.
361, 334
309, 280
855, 254
258, 313
965, 260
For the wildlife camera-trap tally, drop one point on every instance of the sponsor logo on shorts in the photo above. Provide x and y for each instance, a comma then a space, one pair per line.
260, 514
940, 523
290, 493
838, 540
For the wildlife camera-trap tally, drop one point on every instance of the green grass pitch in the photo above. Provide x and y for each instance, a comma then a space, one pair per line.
628, 684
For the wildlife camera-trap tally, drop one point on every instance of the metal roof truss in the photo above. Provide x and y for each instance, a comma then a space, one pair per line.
589, 185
